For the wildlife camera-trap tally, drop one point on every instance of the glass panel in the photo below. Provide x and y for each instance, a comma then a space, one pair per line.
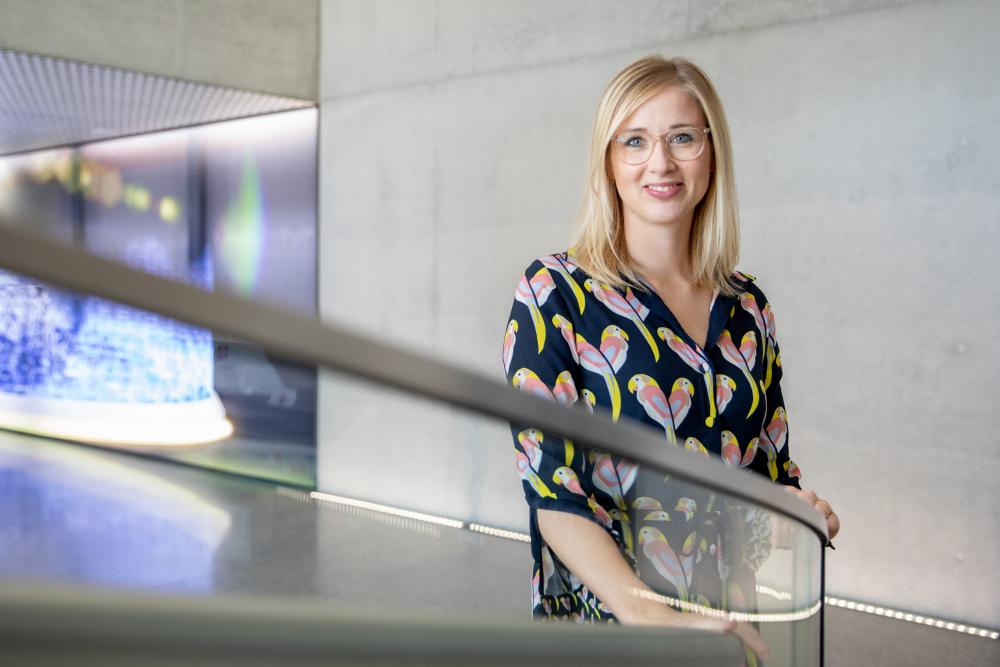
419, 511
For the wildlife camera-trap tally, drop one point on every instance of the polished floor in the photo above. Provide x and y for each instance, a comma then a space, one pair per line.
87, 516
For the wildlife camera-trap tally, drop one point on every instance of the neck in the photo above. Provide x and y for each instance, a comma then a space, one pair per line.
662, 253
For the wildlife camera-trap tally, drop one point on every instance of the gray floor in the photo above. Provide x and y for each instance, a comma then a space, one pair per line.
87, 516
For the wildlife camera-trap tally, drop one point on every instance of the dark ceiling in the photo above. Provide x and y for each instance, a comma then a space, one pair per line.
47, 102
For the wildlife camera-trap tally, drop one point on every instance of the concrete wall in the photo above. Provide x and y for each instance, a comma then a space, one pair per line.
453, 138
258, 45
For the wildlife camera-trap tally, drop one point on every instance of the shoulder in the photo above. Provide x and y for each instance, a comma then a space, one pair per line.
748, 284
559, 262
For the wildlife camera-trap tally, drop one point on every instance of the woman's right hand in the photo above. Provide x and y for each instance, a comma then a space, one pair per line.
650, 612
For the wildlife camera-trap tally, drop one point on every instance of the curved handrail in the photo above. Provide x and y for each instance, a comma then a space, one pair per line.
44, 624
308, 341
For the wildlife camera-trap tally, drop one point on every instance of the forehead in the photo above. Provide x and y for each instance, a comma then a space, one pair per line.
668, 108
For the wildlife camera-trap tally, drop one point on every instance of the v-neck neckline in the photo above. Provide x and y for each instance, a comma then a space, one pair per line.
717, 317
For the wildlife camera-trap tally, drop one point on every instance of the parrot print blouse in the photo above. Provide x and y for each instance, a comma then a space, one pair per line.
570, 338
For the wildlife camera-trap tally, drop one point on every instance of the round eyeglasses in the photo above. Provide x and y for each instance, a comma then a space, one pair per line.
683, 143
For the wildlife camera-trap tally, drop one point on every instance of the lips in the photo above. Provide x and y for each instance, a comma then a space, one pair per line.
662, 190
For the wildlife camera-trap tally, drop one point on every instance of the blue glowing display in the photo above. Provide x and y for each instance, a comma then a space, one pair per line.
60, 346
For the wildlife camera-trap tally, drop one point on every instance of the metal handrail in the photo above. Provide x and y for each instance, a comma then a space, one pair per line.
308, 341
46, 624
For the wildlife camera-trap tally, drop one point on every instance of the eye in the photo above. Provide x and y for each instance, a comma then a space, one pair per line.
682, 138
633, 140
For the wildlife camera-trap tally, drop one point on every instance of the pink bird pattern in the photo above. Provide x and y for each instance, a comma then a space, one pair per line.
736, 357
669, 415
531, 440
624, 306
534, 293
693, 444
773, 438
565, 268
732, 453
594, 361
530, 475
565, 389
509, 339
564, 476
748, 302
528, 381
614, 480
696, 362
776, 432
724, 388
593, 358
614, 346
658, 551
688, 506
565, 328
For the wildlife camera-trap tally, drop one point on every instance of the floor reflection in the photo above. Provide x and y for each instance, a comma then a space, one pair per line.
67, 513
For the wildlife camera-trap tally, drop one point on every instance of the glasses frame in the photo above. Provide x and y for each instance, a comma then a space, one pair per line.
618, 143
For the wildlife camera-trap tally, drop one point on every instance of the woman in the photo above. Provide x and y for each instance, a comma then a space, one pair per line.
645, 317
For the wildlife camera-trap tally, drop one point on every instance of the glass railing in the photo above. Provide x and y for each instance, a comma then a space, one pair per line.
417, 530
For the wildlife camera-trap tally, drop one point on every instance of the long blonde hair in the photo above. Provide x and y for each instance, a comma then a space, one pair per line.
598, 243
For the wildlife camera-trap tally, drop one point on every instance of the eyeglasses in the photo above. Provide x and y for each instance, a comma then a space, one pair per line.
683, 143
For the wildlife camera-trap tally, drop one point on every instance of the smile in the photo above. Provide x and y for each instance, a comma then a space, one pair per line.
662, 190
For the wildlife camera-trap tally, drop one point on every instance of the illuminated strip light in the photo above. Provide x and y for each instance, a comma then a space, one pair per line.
386, 509
770, 592
739, 616
499, 532
912, 618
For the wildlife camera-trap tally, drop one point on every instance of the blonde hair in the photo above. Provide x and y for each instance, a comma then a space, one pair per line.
598, 243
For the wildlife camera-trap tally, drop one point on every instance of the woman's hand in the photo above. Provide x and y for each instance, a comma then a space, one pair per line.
649, 612
832, 520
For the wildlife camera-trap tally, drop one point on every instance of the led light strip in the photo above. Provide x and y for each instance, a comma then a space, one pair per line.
499, 532
912, 618
735, 616
788, 617
770, 592
386, 509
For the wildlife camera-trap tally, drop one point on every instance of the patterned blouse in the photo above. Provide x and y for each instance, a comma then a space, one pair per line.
571, 338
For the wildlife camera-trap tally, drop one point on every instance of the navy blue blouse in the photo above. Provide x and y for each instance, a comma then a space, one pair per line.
569, 338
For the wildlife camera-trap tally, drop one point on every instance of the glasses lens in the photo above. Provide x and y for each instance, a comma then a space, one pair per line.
634, 147
686, 143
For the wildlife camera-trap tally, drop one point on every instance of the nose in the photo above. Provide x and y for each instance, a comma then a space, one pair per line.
660, 160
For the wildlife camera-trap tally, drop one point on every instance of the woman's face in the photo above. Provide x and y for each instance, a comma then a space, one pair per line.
663, 190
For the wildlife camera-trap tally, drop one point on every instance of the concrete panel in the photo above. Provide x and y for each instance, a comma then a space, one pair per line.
440, 40
253, 44
718, 16
869, 211
435, 40
377, 201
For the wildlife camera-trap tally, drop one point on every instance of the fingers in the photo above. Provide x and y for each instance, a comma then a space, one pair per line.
808, 495
752, 640
833, 524
745, 632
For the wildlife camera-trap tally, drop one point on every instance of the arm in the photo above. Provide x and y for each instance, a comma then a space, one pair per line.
590, 553
788, 473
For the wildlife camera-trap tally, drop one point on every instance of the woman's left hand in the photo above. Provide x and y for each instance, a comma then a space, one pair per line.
832, 520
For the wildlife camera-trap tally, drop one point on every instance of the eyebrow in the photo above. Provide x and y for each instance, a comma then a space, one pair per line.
672, 127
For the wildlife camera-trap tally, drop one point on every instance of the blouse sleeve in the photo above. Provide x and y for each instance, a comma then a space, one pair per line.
538, 360
775, 432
